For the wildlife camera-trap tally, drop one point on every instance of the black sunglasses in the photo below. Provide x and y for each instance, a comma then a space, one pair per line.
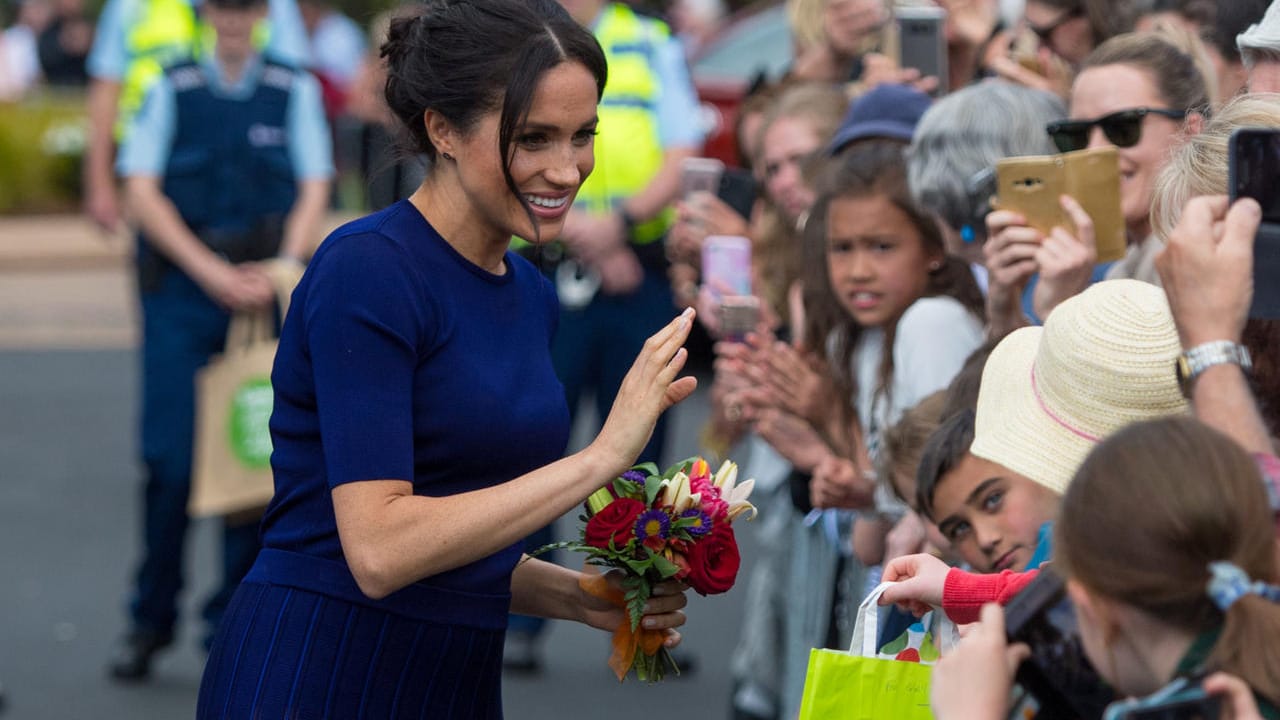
1044, 31
1123, 128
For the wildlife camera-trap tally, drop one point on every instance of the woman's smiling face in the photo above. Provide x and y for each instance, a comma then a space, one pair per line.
1106, 89
552, 153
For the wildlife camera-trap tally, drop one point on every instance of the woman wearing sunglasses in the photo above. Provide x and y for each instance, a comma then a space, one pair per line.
1140, 94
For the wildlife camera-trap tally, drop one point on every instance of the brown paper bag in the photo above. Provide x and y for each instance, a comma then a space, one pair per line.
1032, 185
232, 466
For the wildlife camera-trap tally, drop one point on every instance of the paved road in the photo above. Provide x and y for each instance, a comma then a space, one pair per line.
68, 510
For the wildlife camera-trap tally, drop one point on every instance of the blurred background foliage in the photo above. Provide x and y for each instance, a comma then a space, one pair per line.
41, 145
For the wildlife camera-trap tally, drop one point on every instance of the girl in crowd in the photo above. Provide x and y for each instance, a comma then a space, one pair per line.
895, 317
1167, 538
418, 424
1139, 94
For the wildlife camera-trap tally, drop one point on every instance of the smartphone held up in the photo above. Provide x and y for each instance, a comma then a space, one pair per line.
922, 42
1253, 169
1033, 187
726, 273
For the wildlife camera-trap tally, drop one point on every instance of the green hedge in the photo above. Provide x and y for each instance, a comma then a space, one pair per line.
42, 143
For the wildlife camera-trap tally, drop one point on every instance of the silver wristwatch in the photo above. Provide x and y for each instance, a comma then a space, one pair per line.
1193, 362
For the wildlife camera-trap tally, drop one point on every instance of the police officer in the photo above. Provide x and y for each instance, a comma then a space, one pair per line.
227, 162
134, 41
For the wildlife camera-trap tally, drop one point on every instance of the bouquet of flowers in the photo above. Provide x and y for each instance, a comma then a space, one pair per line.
656, 526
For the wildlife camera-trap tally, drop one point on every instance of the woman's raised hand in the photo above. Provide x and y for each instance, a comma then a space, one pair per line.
650, 387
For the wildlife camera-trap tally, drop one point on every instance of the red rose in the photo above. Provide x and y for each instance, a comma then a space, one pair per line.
713, 561
617, 520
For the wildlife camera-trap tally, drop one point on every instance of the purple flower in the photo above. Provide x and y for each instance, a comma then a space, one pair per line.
634, 476
700, 528
652, 527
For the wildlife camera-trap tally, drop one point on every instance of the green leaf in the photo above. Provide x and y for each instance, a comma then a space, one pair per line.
627, 489
651, 488
683, 466
649, 469
639, 567
573, 545
665, 567
636, 601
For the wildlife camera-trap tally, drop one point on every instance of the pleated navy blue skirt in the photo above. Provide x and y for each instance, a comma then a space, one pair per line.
283, 652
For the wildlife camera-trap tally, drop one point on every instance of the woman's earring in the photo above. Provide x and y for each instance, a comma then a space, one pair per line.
446, 156
935, 266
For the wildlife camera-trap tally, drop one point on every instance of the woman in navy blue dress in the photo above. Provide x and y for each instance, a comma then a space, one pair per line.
418, 424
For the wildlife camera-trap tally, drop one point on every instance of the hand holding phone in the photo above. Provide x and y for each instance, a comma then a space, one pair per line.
1033, 187
726, 265
922, 42
1057, 675
699, 174
726, 274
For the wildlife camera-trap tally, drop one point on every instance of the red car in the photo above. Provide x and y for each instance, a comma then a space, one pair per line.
755, 41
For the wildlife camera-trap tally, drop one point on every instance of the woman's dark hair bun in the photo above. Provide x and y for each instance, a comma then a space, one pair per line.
466, 59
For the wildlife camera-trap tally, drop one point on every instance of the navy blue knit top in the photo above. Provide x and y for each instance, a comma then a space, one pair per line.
401, 359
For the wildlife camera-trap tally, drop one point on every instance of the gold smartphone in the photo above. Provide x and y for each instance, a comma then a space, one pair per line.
1032, 185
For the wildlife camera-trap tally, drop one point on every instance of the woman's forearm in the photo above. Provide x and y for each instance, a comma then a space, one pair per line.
393, 538
547, 590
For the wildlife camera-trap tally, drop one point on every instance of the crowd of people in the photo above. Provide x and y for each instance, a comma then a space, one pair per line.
924, 397
935, 389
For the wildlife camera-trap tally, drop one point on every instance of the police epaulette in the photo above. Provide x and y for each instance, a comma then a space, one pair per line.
186, 77
278, 77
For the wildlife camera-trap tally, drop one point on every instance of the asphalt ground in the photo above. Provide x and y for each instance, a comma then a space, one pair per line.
69, 493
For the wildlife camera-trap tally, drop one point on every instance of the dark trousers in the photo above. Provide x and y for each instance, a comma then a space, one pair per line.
182, 328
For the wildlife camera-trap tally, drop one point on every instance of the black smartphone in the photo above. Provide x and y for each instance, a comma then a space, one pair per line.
1254, 168
1058, 676
738, 190
922, 41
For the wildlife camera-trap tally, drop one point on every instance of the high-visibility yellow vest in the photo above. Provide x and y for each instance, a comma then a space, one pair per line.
163, 33
628, 148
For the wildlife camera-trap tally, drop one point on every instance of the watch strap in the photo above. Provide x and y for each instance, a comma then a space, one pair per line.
1194, 361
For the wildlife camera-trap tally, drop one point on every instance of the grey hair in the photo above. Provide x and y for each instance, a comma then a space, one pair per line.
965, 133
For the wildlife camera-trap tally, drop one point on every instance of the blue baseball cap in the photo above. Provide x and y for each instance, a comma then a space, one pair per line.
885, 111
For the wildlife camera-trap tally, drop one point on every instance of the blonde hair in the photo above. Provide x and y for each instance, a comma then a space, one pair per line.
1199, 166
805, 18
821, 104
808, 24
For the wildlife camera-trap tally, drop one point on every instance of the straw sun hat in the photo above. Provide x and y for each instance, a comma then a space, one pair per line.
1104, 359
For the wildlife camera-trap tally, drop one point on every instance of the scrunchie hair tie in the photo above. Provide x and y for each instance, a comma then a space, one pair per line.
1228, 583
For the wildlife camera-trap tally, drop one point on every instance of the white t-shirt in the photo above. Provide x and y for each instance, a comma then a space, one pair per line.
933, 339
